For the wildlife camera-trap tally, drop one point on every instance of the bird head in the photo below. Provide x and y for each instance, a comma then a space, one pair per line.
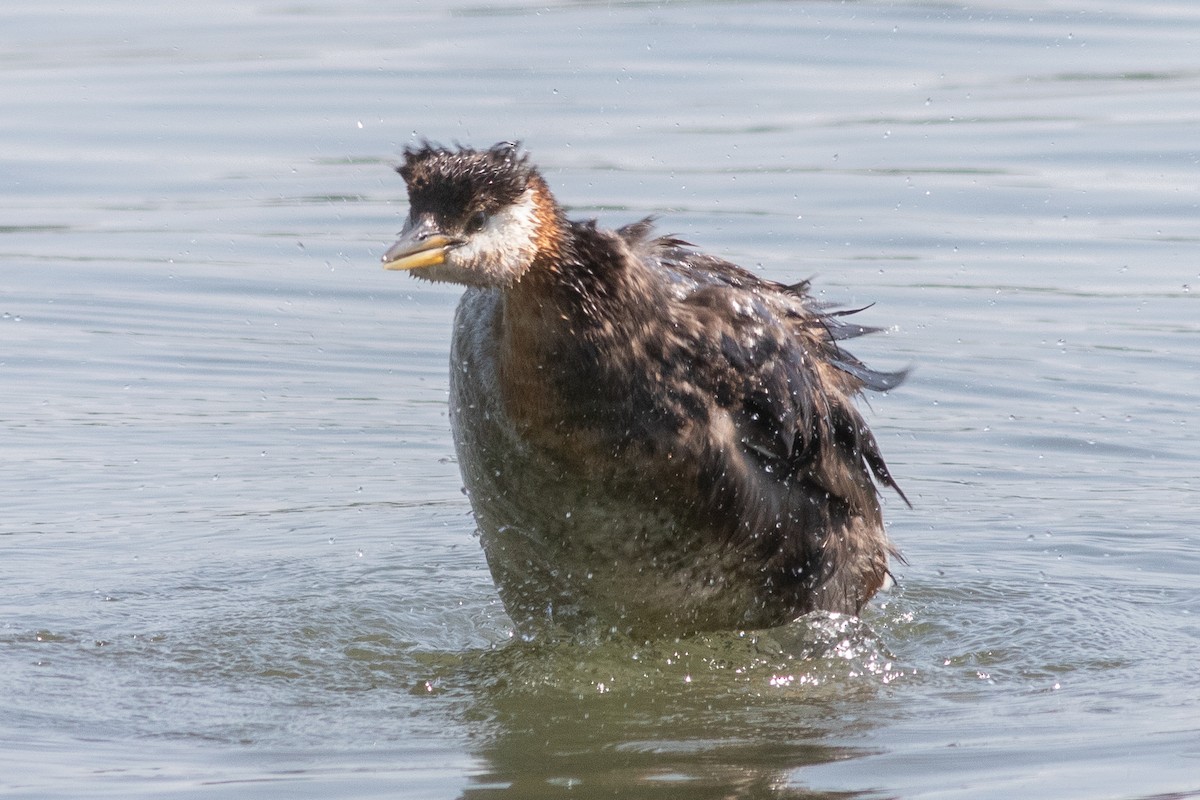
476, 217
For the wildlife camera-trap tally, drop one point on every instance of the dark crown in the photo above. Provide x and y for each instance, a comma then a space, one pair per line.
452, 182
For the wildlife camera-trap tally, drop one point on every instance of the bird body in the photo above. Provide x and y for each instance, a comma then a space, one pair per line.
652, 439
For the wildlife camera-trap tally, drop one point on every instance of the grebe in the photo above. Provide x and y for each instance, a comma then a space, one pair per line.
653, 440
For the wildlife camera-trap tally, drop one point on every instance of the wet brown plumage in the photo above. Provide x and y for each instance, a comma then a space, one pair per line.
653, 440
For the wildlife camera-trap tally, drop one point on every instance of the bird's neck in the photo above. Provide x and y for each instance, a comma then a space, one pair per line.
551, 239
561, 326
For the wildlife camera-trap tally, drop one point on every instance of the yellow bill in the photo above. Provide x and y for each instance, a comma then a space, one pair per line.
414, 253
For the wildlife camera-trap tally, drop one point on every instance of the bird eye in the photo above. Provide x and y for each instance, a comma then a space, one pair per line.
477, 221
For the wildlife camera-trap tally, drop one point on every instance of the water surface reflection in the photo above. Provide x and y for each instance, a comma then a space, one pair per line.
718, 715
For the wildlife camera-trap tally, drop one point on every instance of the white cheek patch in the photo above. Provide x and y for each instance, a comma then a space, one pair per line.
502, 250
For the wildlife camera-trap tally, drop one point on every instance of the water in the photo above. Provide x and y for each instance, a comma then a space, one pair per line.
234, 553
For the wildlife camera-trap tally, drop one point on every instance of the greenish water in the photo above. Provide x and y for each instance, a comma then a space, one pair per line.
235, 557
